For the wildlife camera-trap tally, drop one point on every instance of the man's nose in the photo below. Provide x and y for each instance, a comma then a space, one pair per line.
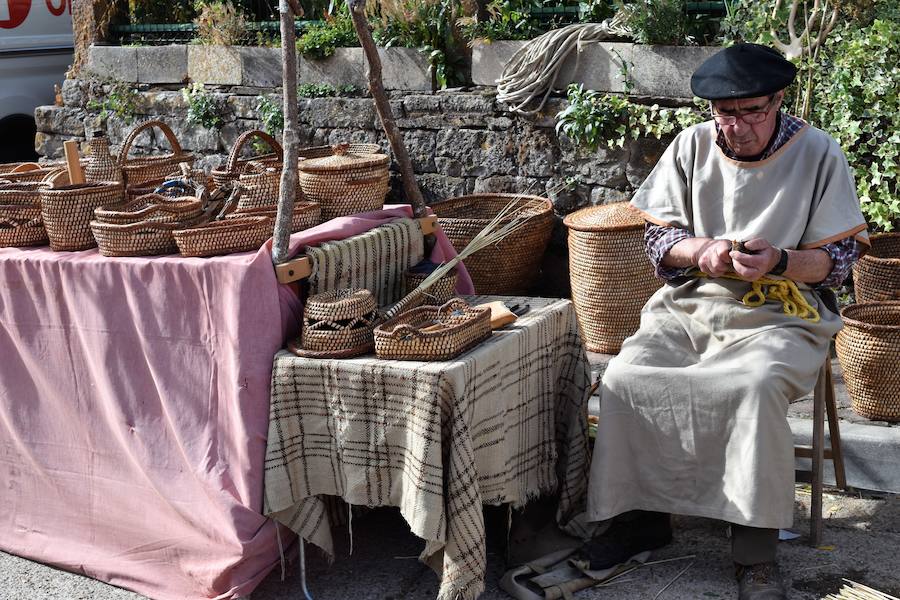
740, 126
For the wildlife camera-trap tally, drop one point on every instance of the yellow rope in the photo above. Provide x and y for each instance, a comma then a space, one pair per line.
793, 302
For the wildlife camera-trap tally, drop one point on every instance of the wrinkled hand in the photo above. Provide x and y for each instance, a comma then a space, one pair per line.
751, 267
714, 258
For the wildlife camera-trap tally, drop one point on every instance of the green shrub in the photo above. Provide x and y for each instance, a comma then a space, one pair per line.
658, 21
593, 119
271, 115
220, 23
325, 90
204, 108
119, 99
320, 40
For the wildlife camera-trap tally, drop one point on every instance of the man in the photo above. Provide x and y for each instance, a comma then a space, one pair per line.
693, 409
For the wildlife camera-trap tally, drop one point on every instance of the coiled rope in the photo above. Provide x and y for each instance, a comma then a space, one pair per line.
793, 302
532, 71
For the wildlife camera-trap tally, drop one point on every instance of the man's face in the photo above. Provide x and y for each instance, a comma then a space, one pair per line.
748, 139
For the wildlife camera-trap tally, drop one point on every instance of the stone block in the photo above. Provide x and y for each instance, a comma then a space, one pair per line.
508, 184
643, 156
50, 145
113, 62
168, 103
162, 64
468, 103
488, 60
402, 69
665, 71
605, 195
74, 93
537, 154
338, 112
219, 65
56, 119
436, 187
244, 107
420, 147
261, 67
474, 152
422, 104
597, 66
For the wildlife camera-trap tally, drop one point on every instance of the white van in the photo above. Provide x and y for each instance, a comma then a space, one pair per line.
35, 52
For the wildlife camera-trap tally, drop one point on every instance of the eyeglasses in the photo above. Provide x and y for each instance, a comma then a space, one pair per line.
751, 118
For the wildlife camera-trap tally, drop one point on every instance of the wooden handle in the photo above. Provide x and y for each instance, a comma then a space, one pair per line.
73, 162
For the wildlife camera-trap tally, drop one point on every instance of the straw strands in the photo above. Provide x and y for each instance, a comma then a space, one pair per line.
858, 591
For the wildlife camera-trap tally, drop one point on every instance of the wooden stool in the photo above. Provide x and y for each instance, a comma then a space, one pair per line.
823, 400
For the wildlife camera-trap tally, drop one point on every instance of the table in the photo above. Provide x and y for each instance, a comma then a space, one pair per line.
503, 423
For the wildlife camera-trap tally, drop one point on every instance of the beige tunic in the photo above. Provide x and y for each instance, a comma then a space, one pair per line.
693, 409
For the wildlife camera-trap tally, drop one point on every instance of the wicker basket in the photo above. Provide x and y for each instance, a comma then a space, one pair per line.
611, 276
140, 170
338, 324
440, 292
151, 207
140, 238
226, 236
511, 266
21, 193
876, 276
67, 212
323, 151
868, 348
305, 215
28, 172
433, 332
345, 183
235, 166
260, 189
21, 225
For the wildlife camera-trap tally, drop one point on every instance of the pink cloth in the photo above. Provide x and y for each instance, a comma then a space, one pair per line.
134, 399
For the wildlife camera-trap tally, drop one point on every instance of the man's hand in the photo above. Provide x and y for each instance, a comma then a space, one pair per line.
751, 267
714, 257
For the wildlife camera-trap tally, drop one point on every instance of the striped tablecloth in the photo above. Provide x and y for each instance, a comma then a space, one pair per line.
502, 423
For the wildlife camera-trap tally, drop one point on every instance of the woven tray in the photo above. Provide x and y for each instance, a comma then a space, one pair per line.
67, 212
21, 225
226, 236
876, 276
433, 332
21, 193
611, 276
868, 348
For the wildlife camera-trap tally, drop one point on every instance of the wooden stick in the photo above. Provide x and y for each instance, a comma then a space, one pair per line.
73, 162
289, 181
376, 87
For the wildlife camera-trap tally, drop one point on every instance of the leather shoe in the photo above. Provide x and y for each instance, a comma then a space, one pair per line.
760, 582
628, 536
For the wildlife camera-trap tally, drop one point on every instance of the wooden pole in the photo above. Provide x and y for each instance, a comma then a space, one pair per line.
289, 182
376, 87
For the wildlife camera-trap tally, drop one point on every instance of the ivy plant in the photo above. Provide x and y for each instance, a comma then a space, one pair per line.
204, 109
325, 90
592, 119
271, 115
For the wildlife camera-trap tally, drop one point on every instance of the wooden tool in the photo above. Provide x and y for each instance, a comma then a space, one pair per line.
73, 162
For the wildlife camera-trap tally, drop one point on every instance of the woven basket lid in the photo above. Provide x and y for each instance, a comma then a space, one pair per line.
339, 304
618, 216
343, 159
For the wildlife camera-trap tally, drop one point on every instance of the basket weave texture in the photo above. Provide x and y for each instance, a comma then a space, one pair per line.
67, 212
345, 183
101, 166
235, 166
611, 276
338, 324
868, 348
433, 332
438, 293
225, 236
21, 225
876, 276
140, 170
145, 226
323, 151
305, 215
511, 266
260, 189
27, 172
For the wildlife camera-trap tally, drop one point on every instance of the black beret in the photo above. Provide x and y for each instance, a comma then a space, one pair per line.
742, 71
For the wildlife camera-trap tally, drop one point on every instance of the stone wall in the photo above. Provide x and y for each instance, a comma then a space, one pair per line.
459, 142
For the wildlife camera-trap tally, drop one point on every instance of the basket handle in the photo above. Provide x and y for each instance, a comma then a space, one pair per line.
451, 305
231, 165
404, 331
167, 131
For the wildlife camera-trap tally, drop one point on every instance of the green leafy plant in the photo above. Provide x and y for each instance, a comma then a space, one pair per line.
320, 40
271, 115
592, 119
325, 90
204, 109
658, 21
119, 99
161, 11
507, 20
219, 23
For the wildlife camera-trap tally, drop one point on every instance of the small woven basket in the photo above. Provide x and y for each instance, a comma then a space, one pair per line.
305, 215
140, 170
611, 276
140, 238
152, 207
511, 266
345, 183
338, 324
236, 166
876, 276
440, 292
433, 332
868, 348
21, 225
67, 212
260, 189
226, 236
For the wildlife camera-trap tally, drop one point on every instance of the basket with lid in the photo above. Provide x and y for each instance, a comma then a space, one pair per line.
337, 324
345, 183
611, 276
512, 265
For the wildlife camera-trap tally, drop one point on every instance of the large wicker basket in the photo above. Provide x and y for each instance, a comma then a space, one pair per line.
433, 332
235, 166
140, 238
868, 348
68, 210
511, 266
140, 170
876, 276
611, 276
345, 183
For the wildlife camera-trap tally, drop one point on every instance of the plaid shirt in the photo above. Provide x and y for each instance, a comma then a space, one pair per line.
659, 240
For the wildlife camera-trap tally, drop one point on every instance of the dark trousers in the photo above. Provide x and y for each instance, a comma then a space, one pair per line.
753, 545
